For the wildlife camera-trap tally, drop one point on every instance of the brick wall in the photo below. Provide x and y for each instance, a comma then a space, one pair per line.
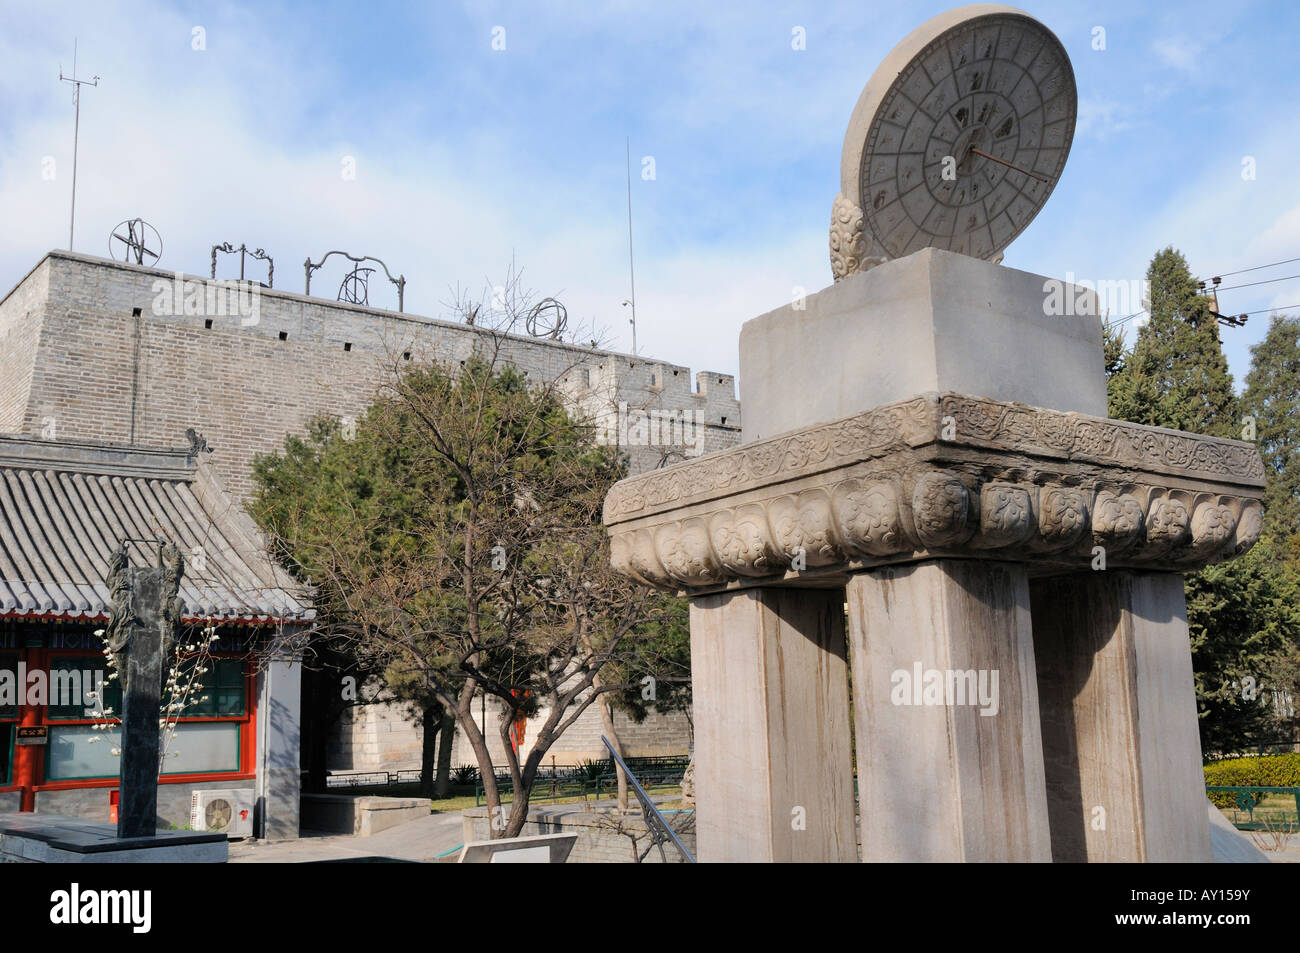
78, 354
92, 803
384, 737
22, 313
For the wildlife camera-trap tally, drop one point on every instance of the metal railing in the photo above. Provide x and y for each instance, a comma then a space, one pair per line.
1259, 747
1246, 800
369, 779
593, 779
660, 830
555, 782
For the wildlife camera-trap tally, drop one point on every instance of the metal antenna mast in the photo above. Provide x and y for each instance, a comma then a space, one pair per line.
630, 266
76, 130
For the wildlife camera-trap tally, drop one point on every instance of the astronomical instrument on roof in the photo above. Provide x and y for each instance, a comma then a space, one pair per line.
547, 319
133, 241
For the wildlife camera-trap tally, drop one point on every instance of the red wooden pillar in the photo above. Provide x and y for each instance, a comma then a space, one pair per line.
29, 760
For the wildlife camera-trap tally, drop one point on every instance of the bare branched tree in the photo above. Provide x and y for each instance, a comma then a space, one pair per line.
456, 539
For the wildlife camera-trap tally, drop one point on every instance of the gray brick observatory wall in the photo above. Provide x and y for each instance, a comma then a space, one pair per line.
383, 737
22, 314
86, 354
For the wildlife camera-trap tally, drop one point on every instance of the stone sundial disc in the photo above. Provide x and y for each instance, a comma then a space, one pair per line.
978, 79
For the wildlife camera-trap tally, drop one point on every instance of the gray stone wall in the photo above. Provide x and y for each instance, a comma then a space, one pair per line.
360, 815
375, 737
660, 734
22, 314
173, 801
93, 350
384, 737
602, 838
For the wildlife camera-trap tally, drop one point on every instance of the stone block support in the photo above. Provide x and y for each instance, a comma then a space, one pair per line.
773, 773
949, 754
1118, 702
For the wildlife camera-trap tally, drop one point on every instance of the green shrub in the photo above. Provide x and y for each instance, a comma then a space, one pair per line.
1270, 771
591, 770
465, 774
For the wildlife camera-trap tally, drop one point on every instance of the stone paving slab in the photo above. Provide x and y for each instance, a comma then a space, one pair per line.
419, 840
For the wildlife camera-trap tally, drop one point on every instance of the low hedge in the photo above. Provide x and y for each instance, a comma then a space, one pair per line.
1269, 771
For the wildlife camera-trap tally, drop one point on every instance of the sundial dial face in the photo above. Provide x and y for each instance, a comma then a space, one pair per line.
957, 139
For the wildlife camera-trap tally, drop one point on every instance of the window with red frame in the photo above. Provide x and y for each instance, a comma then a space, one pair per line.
207, 739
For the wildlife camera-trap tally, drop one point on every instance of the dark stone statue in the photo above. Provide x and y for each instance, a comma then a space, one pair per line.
144, 616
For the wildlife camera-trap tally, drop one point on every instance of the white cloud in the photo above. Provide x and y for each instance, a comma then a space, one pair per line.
1180, 52
1102, 120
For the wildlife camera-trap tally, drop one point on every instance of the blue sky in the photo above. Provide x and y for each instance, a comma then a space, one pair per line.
465, 155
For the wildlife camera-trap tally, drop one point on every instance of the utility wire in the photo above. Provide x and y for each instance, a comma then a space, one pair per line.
1285, 307
1251, 284
1120, 322
1242, 271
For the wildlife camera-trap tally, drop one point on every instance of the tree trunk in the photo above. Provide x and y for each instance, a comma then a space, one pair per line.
611, 733
430, 718
447, 737
487, 773
519, 798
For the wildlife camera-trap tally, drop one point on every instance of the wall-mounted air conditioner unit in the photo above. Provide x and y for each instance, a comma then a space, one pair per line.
224, 811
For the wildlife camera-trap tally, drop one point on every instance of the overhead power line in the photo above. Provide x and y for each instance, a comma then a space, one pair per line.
1242, 271
1283, 307
1127, 318
1251, 284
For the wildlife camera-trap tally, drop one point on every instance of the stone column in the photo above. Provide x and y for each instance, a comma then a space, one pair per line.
773, 776
279, 758
944, 690
1118, 701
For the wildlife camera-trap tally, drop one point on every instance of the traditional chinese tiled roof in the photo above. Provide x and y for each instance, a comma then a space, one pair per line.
65, 506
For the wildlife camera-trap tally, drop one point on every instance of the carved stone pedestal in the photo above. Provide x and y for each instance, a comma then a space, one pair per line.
1040, 548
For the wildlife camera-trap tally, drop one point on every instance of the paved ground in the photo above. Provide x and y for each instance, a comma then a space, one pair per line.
421, 839
1234, 846
426, 838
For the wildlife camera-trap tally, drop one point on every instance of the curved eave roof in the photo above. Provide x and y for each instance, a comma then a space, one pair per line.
64, 508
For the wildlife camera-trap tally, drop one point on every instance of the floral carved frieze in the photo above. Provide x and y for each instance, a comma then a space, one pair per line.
982, 421
940, 475
894, 426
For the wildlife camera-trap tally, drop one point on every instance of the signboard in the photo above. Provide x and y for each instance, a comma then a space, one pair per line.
32, 735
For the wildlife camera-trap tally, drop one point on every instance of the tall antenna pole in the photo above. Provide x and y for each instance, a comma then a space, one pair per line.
630, 265
76, 131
